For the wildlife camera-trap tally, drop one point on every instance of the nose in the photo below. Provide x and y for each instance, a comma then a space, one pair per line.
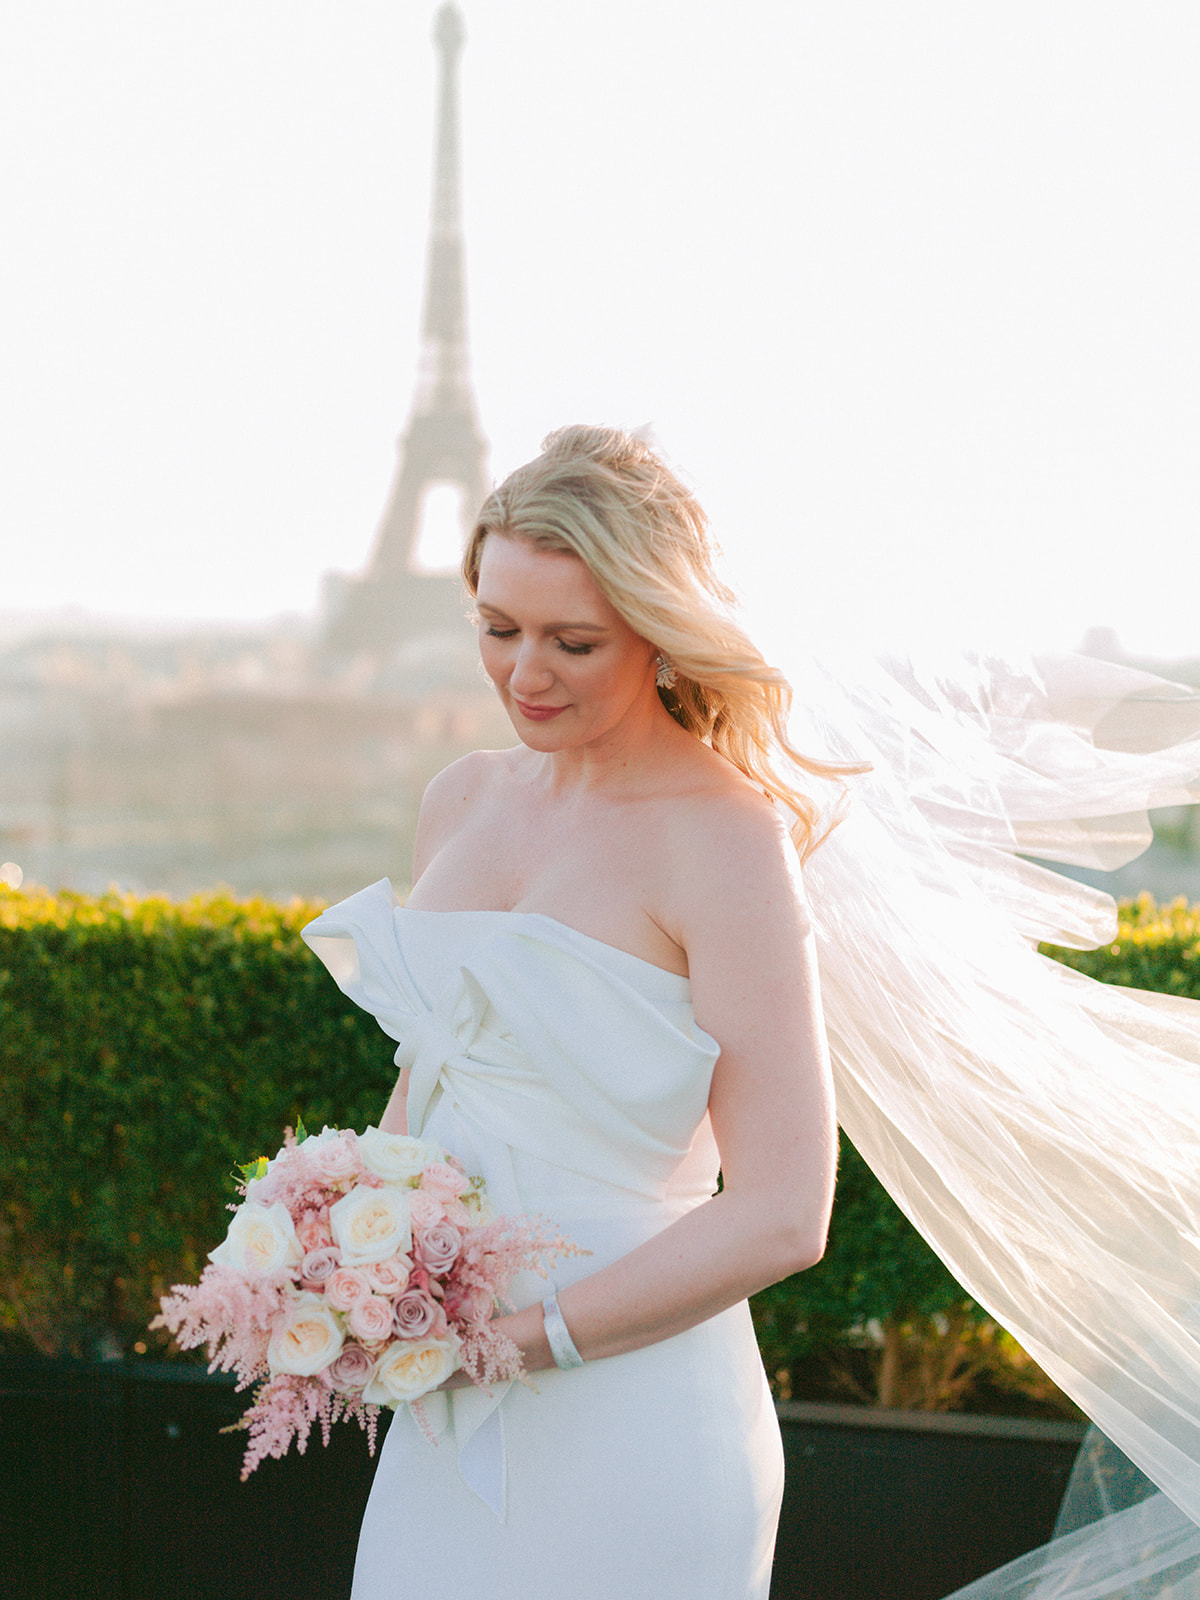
532, 672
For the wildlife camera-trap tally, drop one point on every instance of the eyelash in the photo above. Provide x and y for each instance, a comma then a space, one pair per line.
571, 649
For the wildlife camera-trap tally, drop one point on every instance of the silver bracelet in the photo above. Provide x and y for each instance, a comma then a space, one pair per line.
562, 1346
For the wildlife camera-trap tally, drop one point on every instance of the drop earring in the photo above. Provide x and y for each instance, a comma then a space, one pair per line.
665, 676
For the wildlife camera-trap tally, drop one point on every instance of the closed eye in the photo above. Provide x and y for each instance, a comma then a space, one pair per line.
494, 632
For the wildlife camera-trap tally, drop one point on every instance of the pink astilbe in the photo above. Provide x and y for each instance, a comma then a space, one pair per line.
491, 1256
230, 1313
286, 1408
493, 1253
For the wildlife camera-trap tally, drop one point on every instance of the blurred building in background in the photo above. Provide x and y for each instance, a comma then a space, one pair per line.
180, 761
289, 759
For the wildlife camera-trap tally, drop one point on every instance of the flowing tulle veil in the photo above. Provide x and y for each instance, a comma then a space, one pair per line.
1041, 1130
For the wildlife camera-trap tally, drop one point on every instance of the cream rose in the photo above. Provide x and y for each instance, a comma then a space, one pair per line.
370, 1225
260, 1239
396, 1157
306, 1340
407, 1371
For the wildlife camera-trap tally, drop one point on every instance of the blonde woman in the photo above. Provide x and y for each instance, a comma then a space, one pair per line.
604, 987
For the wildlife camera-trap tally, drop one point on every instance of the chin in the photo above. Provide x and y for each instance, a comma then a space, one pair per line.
542, 739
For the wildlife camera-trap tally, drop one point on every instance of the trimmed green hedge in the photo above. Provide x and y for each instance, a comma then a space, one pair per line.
147, 1046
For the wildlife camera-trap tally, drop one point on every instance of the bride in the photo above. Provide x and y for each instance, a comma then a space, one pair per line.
604, 989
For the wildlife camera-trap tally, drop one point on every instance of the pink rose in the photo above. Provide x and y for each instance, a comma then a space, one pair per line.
370, 1318
388, 1277
313, 1230
332, 1157
468, 1305
345, 1287
319, 1265
456, 1211
350, 1368
443, 1181
415, 1314
437, 1248
424, 1209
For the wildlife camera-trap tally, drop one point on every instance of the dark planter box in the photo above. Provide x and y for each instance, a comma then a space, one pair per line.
116, 1484
909, 1505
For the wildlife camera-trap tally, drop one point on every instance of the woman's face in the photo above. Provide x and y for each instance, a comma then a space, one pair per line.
567, 667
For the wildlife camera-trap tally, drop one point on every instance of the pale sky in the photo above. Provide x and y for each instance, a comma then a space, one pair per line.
908, 290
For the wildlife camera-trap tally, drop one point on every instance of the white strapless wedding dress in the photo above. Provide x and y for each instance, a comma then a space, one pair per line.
573, 1078
1041, 1130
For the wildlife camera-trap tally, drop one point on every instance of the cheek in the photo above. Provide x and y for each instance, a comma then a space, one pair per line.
491, 656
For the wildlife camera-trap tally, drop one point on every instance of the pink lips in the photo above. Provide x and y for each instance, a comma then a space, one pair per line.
538, 713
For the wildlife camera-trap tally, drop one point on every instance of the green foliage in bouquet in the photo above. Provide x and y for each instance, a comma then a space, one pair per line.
145, 1048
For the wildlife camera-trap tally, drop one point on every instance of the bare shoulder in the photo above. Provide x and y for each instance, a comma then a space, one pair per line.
734, 870
451, 798
735, 829
465, 779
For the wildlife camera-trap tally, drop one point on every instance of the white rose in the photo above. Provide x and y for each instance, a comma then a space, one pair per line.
396, 1157
260, 1239
370, 1225
410, 1368
307, 1339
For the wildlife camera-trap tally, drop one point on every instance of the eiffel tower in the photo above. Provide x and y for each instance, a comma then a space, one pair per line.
441, 454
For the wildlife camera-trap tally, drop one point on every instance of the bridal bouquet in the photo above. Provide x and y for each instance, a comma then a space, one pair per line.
359, 1271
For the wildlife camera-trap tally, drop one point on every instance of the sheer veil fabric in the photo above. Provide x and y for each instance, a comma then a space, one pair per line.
1041, 1130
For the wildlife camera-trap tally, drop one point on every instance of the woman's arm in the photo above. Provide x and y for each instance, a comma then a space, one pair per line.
395, 1116
744, 924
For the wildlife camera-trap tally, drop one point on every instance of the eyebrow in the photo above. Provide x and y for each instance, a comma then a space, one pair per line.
551, 627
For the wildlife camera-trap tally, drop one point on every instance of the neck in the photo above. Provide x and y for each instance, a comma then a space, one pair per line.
620, 760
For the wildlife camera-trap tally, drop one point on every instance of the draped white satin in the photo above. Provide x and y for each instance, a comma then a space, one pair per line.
572, 1077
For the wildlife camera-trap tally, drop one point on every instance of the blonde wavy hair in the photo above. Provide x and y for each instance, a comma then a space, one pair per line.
604, 496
